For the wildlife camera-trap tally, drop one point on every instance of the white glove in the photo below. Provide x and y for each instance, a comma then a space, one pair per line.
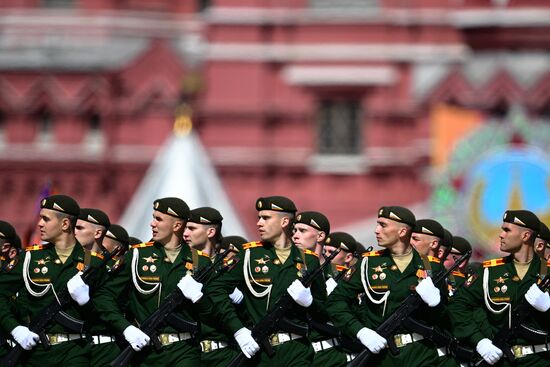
428, 292
488, 351
237, 296
331, 284
538, 299
26, 338
137, 338
246, 342
300, 294
372, 340
78, 290
191, 289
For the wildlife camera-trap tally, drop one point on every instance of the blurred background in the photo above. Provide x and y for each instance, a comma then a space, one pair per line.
442, 106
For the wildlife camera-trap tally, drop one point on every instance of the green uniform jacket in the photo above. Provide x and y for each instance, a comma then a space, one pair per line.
263, 280
503, 287
376, 275
146, 277
38, 274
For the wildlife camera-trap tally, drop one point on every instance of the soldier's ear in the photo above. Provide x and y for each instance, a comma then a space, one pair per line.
321, 236
211, 232
179, 225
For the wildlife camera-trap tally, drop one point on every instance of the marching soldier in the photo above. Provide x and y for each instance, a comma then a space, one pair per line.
427, 236
388, 277
268, 269
498, 287
45, 271
310, 232
457, 278
91, 227
203, 230
150, 271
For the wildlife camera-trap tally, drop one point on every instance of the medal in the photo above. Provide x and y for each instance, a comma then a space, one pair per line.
257, 269
504, 288
496, 289
145, 268
382, 276
36, 270
153, 268
265, 269
374, 276
44, 270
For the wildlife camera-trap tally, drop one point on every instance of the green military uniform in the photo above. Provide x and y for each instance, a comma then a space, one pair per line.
386, 288
497, 284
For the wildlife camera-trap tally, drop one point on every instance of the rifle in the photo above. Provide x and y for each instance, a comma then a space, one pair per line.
265, 327
388, 328
165, 313
506, 334
54, 311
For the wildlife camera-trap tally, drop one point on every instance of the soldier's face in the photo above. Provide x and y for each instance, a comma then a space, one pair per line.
162, 226
109, 244
423, 243
50, 225
342, 258
304, 236
195, 235
387, 232
85, 232
510, 237
270, 225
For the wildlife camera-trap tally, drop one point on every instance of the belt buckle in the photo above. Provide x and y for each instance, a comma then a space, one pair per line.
53, 339
398, 341
206, 346
274, 339
163, 338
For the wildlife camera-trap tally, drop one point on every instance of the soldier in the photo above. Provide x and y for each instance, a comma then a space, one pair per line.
310, 231
9, 245
498, 287
387, 277
457, 278
268, 269
151, 271
91, 227
542, 242
427, 237
203, 230
45, 271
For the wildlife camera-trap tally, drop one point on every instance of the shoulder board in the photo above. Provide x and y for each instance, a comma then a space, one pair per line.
2, 258
494, 262
36, 247
96, 254
459, 274
248, 245
309, 252
372, 253
144, 244
200, 253
548, 263
340, 268
434, 259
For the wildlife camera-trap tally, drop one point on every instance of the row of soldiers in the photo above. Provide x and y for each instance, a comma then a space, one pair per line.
227, 296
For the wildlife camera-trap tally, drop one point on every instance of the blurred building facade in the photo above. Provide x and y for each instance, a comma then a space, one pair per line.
342, 105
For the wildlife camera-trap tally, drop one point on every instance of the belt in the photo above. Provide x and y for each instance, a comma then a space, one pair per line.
169, 338
280, 338
55, 339
210, 345
521, 351
403, 339
350, 357
324, 344
102, 339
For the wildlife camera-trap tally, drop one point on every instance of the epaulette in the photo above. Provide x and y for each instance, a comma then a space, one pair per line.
2, 258
548, 263
340, 268
248, 245
459, 274
96, 254
144, 244
309, 252
494, 262
36, 247
372, 253
201, 253
434, 259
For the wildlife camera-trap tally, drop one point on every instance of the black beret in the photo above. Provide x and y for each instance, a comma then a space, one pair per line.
461, 245
16, 242
235, 241
61, 203
94, 216
342, 240
315, 220
174, 207
447, 238
7, 232
544, 232
134, 241
523, 218
205, 215
118, 233
360, 248
398, 214
277, 203
430, 227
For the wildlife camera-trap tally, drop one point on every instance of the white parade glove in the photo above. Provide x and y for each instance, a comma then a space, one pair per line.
428, 292
26, 338
237, 296
538, 299
135, 337
78, 290
488, 351
331, 284
300, 294
191, 289
372, 340
246, 342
